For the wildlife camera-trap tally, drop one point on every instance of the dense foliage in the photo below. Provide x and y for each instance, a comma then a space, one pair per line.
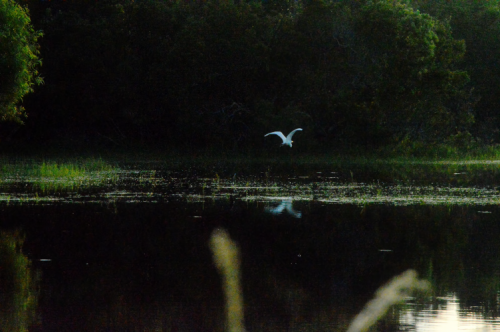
18, 59
478, 24
222, 73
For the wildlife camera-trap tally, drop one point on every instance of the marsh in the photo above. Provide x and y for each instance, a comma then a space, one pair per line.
131, 252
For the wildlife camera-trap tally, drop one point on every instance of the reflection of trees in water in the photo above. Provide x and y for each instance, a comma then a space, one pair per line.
312, 273
346, 252
480, 283
454, 246
18, 284
226, 258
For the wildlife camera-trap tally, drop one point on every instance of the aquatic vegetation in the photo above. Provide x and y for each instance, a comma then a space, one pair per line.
41, 184
54, 176
347, 211
361, 193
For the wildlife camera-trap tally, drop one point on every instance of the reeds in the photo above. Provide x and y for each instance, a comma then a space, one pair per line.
56, 175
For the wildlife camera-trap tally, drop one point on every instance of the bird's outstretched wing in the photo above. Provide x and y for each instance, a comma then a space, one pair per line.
279, 133
290, 209
278, 209
289, 137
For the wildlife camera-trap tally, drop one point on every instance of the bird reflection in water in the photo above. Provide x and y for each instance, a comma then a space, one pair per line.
286, 204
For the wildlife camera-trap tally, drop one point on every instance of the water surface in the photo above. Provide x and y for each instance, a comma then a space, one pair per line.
316, 242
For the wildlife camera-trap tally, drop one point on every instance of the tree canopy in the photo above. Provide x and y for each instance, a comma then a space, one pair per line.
222, 73
19, 59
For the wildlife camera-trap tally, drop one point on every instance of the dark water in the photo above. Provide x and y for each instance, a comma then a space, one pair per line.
134, 255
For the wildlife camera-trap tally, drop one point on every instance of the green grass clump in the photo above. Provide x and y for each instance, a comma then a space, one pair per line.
69, 171
56, 175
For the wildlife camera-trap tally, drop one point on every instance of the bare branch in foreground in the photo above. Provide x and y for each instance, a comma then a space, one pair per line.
393, 292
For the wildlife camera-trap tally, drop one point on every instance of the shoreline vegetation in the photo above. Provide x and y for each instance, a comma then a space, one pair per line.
267, 177
55, 175
404, 77
109, 158
418, 152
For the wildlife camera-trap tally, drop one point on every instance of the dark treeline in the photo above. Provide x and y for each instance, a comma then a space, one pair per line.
222, 74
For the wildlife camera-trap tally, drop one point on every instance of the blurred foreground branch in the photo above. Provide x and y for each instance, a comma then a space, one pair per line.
226, 258
393, 292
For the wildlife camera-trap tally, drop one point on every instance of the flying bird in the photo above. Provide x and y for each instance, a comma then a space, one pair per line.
286, 140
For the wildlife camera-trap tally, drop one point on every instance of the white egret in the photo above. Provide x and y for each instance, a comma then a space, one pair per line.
286, 140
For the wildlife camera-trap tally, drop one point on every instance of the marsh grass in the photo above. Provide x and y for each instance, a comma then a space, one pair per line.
442, 151
55, 175
389, 164
359, 179
61, 171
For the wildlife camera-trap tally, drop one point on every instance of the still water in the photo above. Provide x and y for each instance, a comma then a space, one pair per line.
316, 243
